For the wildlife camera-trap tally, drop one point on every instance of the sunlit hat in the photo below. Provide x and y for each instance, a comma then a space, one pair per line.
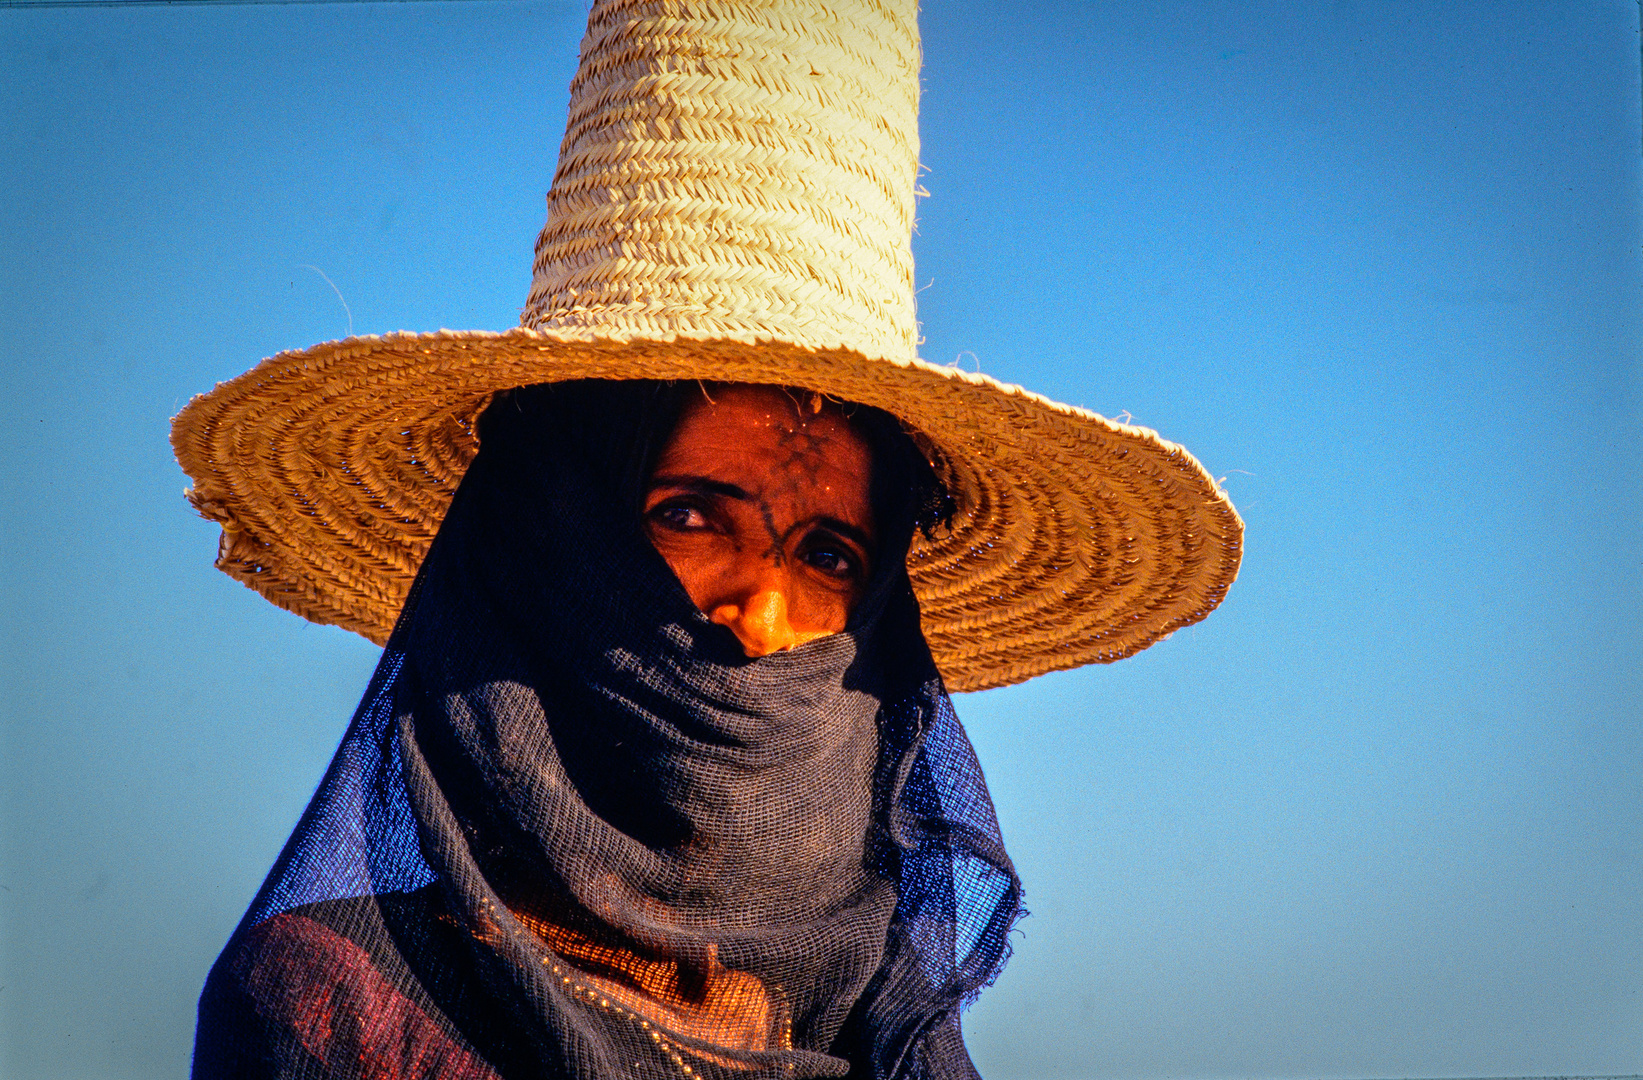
733, 202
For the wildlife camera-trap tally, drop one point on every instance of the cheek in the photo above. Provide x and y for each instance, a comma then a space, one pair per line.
812, 606
700, 560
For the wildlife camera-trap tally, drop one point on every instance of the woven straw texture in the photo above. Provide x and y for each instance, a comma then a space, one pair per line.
733, 202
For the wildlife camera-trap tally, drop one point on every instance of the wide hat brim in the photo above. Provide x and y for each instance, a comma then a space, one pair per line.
1078, 539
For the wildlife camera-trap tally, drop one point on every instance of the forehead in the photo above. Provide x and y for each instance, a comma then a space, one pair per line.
768, 426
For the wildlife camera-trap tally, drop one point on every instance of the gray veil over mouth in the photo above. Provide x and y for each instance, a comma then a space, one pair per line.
573, 831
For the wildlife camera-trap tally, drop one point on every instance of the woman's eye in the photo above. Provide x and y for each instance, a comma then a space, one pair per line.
680, 516
831, 561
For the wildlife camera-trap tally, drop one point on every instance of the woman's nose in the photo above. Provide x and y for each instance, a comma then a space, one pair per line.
759, 620
759, 613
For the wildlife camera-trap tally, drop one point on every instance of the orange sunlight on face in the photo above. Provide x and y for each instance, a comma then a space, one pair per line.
761, 508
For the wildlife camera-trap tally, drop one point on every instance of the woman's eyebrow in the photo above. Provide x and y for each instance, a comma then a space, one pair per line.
703, 484
843, 528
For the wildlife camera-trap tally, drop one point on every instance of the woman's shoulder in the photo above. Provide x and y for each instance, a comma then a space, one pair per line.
322, 991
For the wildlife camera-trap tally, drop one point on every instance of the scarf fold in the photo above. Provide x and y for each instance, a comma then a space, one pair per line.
574, 832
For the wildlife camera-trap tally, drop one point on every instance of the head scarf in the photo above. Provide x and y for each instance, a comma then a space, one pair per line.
573, 831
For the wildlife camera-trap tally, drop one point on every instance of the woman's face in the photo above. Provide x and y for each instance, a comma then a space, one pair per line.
761, 507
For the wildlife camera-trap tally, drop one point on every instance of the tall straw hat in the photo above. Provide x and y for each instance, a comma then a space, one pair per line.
733, 202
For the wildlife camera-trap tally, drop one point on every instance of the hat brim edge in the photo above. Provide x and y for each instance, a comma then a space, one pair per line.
1080, 539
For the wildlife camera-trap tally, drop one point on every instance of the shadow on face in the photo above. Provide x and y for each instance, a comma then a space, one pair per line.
760, 504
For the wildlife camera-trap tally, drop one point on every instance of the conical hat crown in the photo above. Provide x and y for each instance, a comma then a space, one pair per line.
738, 172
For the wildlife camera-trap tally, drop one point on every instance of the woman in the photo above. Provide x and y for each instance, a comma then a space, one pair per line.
658, 774
685, 786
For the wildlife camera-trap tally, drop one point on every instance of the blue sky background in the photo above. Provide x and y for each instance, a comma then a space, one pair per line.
1375, 263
